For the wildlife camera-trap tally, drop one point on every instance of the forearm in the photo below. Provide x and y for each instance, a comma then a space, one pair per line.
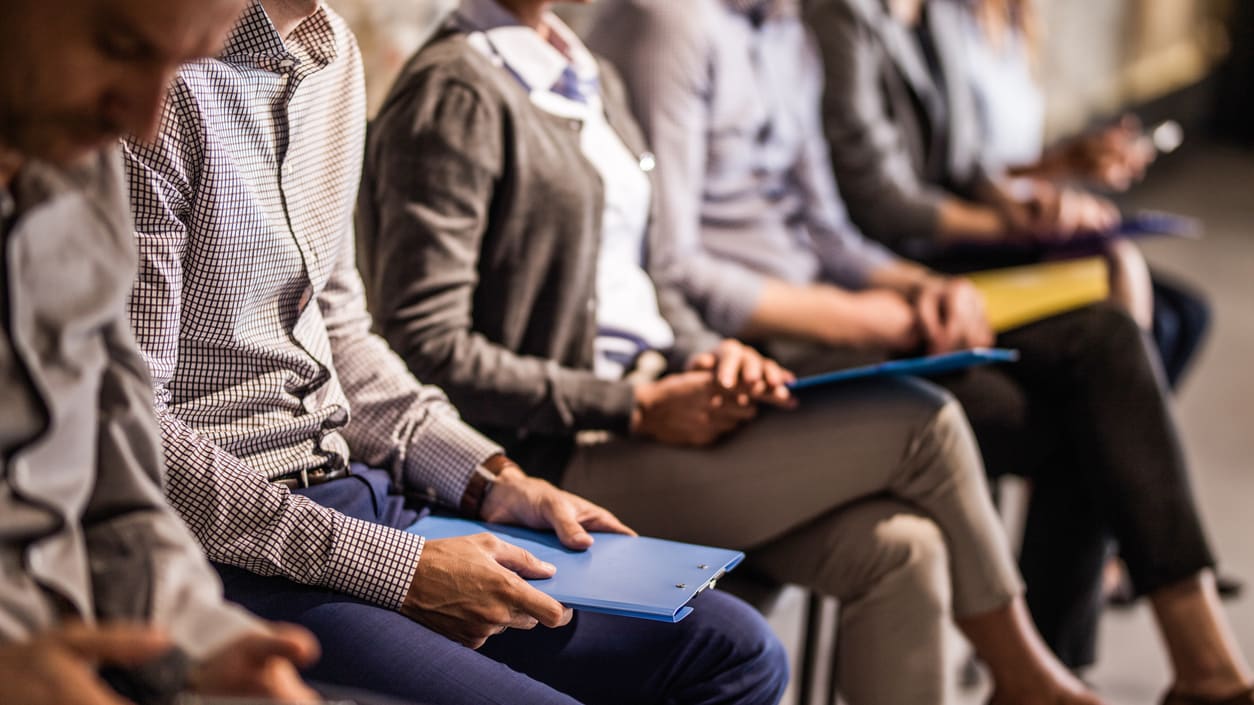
903, 277
817, 312
964, 221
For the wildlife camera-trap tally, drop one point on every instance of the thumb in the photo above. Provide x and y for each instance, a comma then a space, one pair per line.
285, 641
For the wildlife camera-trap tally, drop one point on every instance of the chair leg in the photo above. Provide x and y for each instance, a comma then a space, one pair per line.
833, 683
810, 648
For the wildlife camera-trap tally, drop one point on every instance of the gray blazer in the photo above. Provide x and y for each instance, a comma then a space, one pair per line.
899, 140
84, 528
479, 230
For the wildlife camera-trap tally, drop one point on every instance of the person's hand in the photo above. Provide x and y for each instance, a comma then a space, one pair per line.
260, 665
688, 409
1114, 158
1046, 212
517, 498
59, 667
740, 369
951, 315
889, 322
471, 588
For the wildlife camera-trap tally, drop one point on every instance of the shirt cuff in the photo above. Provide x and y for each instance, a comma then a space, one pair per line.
373, 562
442, 458
732, 299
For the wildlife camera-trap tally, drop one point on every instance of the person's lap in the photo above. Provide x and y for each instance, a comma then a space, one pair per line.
778, 472
722, 653
596, 658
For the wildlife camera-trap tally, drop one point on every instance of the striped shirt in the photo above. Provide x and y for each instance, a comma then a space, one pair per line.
250, 313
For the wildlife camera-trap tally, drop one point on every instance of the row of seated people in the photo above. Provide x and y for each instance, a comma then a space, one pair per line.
574, 305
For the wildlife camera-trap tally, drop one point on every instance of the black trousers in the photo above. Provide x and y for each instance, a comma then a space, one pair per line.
1085, 415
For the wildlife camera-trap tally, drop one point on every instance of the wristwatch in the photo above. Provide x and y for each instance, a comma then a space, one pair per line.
481, 483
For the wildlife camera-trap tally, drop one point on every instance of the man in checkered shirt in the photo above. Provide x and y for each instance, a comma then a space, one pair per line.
267, 380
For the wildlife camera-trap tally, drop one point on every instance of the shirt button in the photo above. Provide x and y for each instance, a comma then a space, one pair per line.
336, 419
647, 162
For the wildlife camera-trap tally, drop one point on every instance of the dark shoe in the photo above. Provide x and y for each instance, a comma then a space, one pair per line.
1245, 697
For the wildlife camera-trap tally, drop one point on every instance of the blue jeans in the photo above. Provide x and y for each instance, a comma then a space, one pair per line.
722, 653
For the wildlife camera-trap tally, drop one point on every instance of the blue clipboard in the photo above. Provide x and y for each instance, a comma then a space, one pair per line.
914, 366
629, 576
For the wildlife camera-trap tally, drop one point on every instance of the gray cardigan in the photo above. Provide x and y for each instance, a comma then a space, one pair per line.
479, 230
899, 140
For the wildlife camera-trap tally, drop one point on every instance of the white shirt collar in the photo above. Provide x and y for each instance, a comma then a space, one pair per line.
534, 60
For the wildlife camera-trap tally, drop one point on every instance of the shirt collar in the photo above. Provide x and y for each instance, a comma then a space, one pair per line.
764, 9
536, 62
254, 40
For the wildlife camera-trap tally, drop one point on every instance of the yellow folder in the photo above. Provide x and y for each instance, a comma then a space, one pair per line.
1020, 295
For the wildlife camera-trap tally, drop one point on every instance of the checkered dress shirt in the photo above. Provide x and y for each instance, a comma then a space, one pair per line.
251, 315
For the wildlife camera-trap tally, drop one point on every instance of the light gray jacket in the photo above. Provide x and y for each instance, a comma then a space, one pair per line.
84, 529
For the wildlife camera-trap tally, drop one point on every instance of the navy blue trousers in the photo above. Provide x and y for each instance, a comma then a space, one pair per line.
723, 653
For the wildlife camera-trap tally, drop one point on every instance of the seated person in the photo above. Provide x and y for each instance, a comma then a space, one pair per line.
268, 382
504, 222
999, 60
95, 568
729, 93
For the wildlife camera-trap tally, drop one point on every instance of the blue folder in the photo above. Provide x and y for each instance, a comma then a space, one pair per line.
631, 576
914, 366
1133, 226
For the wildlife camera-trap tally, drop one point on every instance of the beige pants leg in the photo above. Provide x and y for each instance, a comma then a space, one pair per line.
899, 439
890, 567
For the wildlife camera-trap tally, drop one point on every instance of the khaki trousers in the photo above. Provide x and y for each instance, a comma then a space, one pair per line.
871, 492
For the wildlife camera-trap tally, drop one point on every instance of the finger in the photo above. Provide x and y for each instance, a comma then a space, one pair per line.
751, 369
773, 374
531, 601
520, 621
929, 319
601, 519
703, 361
954, 320
729, 364
118, 644
285, 641
522, 561
560, 513
733, 412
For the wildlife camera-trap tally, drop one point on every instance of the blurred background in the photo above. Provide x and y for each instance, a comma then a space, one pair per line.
1187, 60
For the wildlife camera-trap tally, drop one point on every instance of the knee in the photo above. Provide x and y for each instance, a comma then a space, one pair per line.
1109, 327
912, 566
749, 661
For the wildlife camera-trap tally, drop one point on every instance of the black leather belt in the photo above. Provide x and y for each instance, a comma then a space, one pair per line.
309, 478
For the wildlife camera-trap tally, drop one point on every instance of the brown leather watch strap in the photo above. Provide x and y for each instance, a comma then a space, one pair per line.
481, 483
